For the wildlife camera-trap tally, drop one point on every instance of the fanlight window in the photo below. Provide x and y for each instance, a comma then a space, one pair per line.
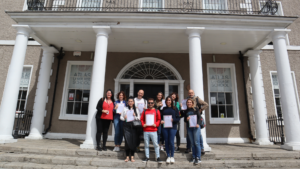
149, 70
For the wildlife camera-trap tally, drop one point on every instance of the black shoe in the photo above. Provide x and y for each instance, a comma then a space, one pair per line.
145, 160
187, 150
158, 160
202, 152
196, 161
177, 150
99, 148
193, 160
104, 149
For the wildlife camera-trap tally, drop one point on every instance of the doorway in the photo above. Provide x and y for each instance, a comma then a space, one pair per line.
150, 90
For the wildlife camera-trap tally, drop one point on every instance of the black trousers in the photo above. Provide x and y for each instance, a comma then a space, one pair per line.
128, 150
102, 128
178, 135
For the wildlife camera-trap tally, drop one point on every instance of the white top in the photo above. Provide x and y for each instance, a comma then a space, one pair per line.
137, 117
137, 101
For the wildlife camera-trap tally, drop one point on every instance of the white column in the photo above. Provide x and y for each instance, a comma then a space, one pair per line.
40, 100
287, 92
12, 84
196, 69
259, 100
97, 84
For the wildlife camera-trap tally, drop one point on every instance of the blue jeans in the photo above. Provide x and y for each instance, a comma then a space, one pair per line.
118, 124
194, 135
169, 136
188, 142
153, 136
160, 134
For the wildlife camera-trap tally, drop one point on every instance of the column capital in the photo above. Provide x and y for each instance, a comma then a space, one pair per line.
194, 31
49, 49
23, 29
253, 53
102, 30
279, 33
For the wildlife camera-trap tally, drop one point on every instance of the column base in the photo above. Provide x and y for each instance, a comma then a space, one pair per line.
34, 137
89, 144
291, 146
7, 139
207, 148
263, 142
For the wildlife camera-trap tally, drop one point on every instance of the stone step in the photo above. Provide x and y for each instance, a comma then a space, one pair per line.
12, 160
179, 156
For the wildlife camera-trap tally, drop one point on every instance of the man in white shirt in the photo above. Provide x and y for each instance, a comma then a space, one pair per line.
141, 105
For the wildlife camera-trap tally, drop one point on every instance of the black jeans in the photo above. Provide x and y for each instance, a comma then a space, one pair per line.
129, 151
178, 135
102, 127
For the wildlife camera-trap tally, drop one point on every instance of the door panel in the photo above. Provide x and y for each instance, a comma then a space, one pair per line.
150, 90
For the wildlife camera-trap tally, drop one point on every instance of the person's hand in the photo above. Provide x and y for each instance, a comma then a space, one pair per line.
105, 111
116, 107
188, 118
162, 122
160, 104
154, 125
197, 125
171, 120
125, 117
134, 114
180, 104
145, 125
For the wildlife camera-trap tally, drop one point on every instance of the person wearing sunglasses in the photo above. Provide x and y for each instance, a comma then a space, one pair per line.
150, 120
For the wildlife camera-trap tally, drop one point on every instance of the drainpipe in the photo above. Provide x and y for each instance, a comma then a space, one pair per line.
59, 57
241, 57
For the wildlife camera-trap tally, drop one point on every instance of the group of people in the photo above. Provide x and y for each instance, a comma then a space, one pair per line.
156, 119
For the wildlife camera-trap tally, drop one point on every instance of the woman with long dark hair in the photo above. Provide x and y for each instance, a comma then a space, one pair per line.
118, 124
169, 132
158, 104
104, 117
174, 97
130, 132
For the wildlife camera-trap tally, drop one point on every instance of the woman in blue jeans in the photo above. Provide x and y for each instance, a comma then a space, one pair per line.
158, 104
194, 132
118, 123
169, 132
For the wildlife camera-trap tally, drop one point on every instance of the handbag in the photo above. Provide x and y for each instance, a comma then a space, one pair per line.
136, 123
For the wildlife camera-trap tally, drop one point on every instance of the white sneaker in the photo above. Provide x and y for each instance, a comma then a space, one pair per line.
168, 160
115, 149
172, 160
161, 148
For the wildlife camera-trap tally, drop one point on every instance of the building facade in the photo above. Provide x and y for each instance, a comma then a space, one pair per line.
242, 56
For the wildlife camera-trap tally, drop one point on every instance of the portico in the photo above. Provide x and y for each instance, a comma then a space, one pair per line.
164, 34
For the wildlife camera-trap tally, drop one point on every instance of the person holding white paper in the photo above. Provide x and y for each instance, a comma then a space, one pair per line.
130, 132
118, 124
194, 130
158, 104
150, 132
169, 123
175, 99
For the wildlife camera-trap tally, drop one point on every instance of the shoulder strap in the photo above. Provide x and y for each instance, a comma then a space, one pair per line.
199, 105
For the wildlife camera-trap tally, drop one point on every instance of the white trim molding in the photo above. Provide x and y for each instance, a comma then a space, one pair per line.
13, 42
51, 135
271, 47
229, 140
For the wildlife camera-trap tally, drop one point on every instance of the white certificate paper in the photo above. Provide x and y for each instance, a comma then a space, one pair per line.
183, 102
193, 120
164, 104
130, 116
168, 121
141, 107
120, 108
149, 119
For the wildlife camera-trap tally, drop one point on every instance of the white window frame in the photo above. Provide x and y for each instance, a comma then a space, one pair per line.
63, 115
236, 118
141, 6
216, 11
295, 88
31, 67
79, 3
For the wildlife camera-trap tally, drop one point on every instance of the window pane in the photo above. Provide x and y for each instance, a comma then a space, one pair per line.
173, 88
275, 81
77, 108
20, 94
25, 77
24, 94
221, 98
213, 80
70, 107
277, 100
278, 109
229, 111
213, 98
71, 95
85, 108
22, 105
222, 111
86, 95
227, 80
78, 95
125, 88
228, 98
18, 104
214, 111
74, 69
276, 92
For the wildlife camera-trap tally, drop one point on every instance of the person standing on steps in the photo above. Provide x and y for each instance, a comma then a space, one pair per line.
193, 129
104, 117
150, 119
169, 131
158, 105
118, 123
201, 106
130, 131
141, 104
174, 96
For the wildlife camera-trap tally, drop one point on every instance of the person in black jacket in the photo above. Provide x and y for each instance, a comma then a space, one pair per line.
104, 117
193, 129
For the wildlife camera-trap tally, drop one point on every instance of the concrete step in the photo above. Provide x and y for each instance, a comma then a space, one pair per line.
246, 155
12, 160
